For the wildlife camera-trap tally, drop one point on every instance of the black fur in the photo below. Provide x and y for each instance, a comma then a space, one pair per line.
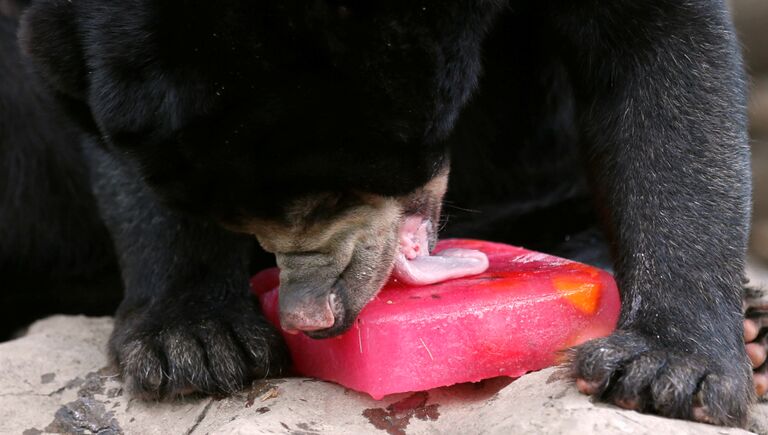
55, 254
627, 115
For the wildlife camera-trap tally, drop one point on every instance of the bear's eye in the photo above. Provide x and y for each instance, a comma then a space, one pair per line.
348, 8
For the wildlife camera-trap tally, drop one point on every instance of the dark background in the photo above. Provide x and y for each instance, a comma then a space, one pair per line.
751, 17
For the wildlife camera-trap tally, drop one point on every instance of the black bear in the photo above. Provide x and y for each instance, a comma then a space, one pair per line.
325, 131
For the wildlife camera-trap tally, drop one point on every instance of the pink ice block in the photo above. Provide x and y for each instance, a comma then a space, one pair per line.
509, 320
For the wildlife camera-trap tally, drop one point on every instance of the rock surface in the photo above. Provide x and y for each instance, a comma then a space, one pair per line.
54, 380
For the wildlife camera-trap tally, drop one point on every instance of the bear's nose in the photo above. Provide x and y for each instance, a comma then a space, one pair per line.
305, 309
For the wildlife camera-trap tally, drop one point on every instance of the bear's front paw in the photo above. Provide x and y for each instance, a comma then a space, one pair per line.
638, 372
173, 349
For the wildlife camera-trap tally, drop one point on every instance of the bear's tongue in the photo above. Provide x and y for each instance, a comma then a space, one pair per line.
415, 266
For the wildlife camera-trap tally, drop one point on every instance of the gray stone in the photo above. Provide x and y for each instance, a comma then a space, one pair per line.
53, 380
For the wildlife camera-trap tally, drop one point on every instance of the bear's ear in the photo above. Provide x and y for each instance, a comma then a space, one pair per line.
50, 37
